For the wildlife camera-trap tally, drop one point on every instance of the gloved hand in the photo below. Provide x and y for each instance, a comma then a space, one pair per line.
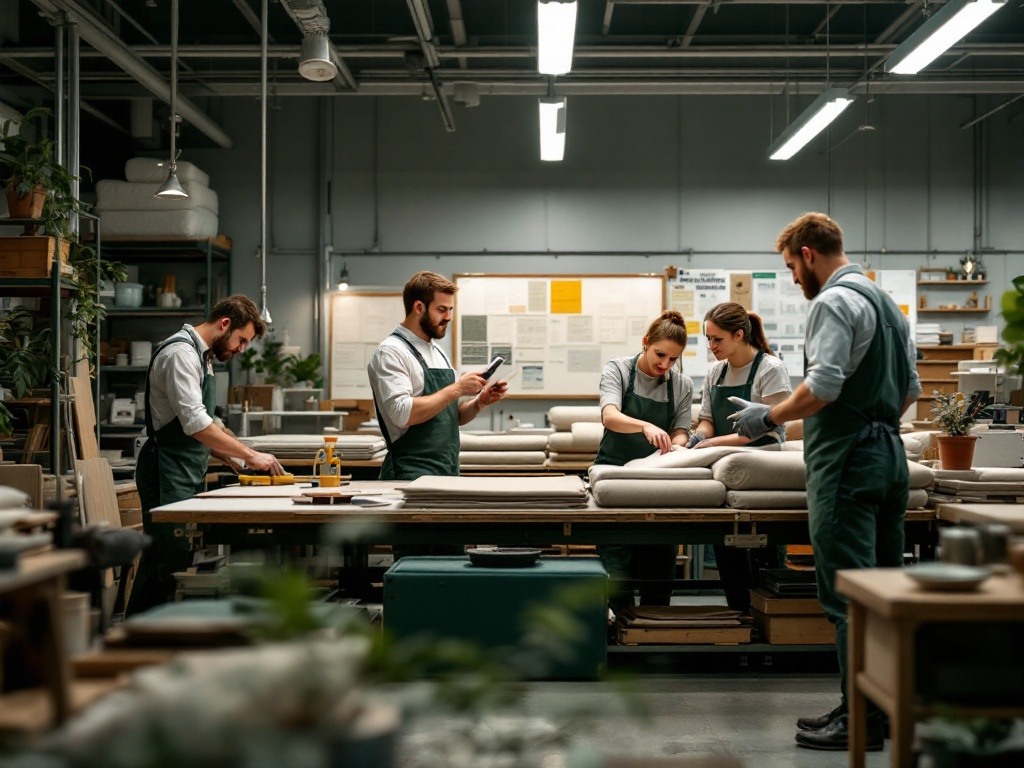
695, 437
753, 419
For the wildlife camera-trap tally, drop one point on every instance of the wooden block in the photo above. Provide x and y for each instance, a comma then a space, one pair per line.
99, 500
127, 496
31, 256
794, 630
771, 605
84, 413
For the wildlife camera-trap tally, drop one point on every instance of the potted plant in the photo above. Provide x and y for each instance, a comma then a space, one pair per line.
25, 351
304, 370
1012, 356
954, 419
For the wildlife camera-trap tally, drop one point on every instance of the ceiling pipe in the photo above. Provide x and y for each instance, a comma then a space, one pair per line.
100, 37
425, 34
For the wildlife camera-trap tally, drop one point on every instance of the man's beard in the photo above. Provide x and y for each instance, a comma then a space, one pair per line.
432, 331
220, 349
810, 285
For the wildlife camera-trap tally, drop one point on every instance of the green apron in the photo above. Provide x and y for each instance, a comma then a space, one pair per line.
857, 476
737, 568
171, 467
430, 448
653, 566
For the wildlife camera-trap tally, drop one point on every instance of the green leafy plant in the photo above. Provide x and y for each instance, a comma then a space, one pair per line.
25, 354
6, 426
86, 310
951, 414
304, 369
273, 362
1012, 357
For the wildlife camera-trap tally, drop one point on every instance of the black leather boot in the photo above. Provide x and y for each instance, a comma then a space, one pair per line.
817, 723
836, 736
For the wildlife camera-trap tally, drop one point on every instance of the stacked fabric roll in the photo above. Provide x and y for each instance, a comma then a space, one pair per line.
129, 208
501, 448
347, 447
562, 491
577, 435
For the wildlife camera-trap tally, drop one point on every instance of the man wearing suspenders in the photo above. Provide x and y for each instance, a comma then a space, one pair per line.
417, 394
859, 378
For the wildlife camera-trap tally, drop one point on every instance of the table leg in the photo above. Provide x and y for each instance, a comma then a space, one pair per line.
856, 705
56, 663
902, 723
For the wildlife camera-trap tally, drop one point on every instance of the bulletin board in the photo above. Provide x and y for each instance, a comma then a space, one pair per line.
559, 330
359, 322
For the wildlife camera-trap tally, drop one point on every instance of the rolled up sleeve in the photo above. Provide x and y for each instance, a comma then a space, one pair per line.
181, 373
611, 386
391, 381
829, 341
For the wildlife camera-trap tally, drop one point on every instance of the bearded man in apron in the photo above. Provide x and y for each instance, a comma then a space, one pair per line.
859, 378
417, 395
181, 436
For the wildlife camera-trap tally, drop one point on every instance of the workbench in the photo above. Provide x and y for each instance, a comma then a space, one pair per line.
1007, 514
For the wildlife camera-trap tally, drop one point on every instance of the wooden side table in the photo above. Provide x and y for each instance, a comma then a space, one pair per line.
886, 608
30, 604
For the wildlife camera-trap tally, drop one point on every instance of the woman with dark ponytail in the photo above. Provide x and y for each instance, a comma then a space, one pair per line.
748, 369
645, 407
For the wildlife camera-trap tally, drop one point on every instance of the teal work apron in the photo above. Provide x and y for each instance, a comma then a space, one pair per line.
857, 476
430, 448
171, 467
653, 566
738, 568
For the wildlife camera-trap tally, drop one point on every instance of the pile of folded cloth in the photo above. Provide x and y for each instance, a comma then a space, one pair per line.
347, 447
577, 435
980, 483
501, 448
129, 208
681, 624
915, 444
432, 492
741, 478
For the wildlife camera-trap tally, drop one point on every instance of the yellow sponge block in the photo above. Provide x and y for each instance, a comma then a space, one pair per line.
266, 480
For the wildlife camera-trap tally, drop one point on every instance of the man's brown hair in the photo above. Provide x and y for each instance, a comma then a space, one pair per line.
814, 230
422, 286
240, 310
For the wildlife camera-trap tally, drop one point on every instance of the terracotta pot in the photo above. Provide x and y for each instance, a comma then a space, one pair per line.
956, 451
28, 207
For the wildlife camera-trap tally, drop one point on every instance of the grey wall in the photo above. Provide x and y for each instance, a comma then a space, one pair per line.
641, 176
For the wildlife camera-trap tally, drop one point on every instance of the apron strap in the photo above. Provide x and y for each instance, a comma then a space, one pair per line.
671, 391
191, 339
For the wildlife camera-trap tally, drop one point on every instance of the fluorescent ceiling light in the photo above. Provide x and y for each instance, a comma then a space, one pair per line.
940, 32
556, 28
814, 120
552, 128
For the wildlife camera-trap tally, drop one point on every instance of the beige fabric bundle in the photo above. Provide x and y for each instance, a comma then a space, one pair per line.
502, 441
528, 458
768, 470
659, 493
562, 417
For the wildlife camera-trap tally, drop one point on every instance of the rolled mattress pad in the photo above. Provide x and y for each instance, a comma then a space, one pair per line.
562, 417
531, 458
586, 436
659, 493
150, 169
762, 470
601, 472
196, 223
114, 195
503, 441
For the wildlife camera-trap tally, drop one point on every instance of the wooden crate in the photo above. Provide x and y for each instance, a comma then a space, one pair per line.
32, 256
794, 630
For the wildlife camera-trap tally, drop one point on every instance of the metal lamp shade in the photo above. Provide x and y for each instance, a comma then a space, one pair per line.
171, 189
315, 62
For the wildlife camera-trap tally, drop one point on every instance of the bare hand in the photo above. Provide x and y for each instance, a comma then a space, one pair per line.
494, 394
470, 384
265, 462
658, 437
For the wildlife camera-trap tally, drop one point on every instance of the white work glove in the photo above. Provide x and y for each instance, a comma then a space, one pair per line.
753, 419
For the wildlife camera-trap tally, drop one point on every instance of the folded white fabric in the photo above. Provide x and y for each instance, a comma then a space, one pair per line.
561, 442
531, 458
115, 195
12, 498
574, 457
497, 488
920, 475
762, 470
151, 169
586, 436
601, 472
659, 493
195, 223
502, 441
797, 499
697, 457
562, 417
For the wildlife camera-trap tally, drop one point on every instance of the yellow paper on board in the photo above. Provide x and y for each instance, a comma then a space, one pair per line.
566, 297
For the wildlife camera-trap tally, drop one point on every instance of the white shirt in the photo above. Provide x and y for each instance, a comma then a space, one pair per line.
176, 384
396, 377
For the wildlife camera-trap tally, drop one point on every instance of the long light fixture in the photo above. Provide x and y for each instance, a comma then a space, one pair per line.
940, 32
171, 188
552, 127
823, 110
556, 29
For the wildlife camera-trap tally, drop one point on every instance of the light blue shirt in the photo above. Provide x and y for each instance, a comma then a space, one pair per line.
840, 327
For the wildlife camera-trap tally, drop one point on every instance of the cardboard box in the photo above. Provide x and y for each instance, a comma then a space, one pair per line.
257, 395
769, 604
32, 256
794, 629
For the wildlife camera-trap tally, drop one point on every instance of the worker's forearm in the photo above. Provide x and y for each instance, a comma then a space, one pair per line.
617, 421
222, 445
469, 410
801, 404
426, 407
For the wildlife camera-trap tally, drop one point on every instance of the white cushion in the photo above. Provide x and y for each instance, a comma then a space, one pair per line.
601, 472
562, 417
659, 493
762, 470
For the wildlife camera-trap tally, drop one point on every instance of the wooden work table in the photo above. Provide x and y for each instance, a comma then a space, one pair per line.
886, 609
1008, 514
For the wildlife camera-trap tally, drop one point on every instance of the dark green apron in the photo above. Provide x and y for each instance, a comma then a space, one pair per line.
171, 467
430, 448
857, 476
738, 568
653, 566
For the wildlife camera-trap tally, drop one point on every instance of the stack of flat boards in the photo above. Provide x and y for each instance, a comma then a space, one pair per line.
559, 492
786, 582
682, 625
347, 448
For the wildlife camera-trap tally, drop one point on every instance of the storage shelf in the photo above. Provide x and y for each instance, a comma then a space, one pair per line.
960, 311
113, 312
124, 368
952, 283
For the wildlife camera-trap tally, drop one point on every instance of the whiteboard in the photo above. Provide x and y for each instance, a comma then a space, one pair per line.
560, 330
359, 322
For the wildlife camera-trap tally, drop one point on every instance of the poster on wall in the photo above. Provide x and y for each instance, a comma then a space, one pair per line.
692, 294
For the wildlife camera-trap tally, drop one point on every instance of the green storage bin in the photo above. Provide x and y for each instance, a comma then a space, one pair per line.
448, 597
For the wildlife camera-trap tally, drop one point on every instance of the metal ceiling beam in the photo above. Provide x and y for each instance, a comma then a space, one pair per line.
95, 33
691, 30
887, 34
250, 16
609, 9
458, 27
425, 34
